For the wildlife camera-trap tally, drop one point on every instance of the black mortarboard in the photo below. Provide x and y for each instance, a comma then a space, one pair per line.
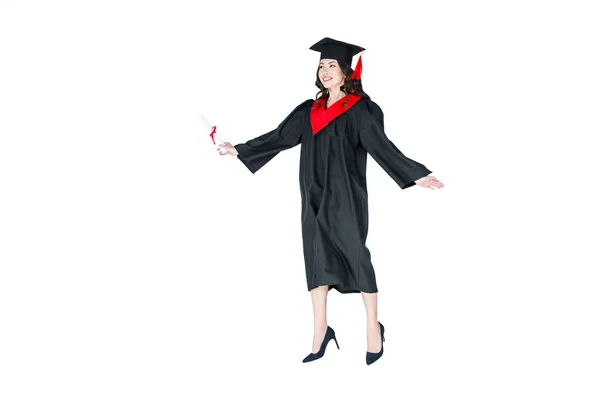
341, 51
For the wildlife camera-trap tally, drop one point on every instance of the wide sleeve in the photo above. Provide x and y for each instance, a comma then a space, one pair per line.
400, 168
256, 152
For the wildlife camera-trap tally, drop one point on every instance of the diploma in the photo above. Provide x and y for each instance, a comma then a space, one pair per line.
211, 131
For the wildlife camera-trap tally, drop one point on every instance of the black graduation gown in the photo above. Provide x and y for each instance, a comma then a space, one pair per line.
333, 186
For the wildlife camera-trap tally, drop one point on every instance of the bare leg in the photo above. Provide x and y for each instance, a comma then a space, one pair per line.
373, 331
319, 302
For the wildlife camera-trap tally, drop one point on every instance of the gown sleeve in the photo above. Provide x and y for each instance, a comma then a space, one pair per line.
400, 168
256, 152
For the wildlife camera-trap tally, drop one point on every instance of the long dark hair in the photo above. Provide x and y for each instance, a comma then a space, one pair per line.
349, 86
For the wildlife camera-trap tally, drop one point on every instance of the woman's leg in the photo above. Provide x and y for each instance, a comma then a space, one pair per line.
319, 302
373, 331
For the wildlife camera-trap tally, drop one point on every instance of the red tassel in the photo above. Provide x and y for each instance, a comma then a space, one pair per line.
358, 70
212, 134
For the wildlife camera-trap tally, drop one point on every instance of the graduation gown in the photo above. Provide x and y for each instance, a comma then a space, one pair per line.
335, 142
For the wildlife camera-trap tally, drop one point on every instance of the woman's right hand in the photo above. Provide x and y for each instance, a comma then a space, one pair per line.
227, 148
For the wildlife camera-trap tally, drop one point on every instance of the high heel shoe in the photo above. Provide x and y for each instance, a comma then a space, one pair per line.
372, 357
330, 334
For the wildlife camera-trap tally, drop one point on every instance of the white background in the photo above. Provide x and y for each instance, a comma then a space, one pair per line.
136, 263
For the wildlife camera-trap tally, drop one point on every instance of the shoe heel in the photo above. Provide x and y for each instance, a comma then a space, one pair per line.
330, 334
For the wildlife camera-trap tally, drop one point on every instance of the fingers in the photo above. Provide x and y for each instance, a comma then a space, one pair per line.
436, 182
222, 150
433, 183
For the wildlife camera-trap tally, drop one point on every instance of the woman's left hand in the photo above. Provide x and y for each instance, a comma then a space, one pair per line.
430, 182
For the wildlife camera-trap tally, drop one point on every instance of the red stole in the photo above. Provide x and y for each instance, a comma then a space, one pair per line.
321, 117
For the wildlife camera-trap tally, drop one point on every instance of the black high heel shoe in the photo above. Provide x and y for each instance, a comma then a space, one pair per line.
330, 334
372, 357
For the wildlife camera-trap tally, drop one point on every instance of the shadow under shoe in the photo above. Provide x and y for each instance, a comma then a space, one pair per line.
372, 357
330, 334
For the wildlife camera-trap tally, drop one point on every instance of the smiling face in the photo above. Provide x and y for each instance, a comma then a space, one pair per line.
330, 73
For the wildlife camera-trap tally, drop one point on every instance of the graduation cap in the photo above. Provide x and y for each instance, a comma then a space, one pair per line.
341, 51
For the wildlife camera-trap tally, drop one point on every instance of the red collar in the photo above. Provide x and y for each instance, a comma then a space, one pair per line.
321, 117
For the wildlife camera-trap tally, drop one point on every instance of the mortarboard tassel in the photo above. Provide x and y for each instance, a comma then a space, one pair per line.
358, 70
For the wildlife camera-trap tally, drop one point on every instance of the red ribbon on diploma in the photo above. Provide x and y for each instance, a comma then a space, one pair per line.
212, 134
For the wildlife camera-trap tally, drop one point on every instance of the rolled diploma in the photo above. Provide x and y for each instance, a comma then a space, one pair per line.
212, 132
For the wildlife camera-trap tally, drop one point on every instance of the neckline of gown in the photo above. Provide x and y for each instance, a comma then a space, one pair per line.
333, 104
320, 116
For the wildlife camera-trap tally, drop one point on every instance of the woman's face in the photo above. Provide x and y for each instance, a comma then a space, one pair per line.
330, 73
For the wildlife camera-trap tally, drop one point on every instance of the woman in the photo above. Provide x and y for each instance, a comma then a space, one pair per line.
336, 130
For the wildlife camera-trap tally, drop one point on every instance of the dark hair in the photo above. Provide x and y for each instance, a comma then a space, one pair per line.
349, 86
